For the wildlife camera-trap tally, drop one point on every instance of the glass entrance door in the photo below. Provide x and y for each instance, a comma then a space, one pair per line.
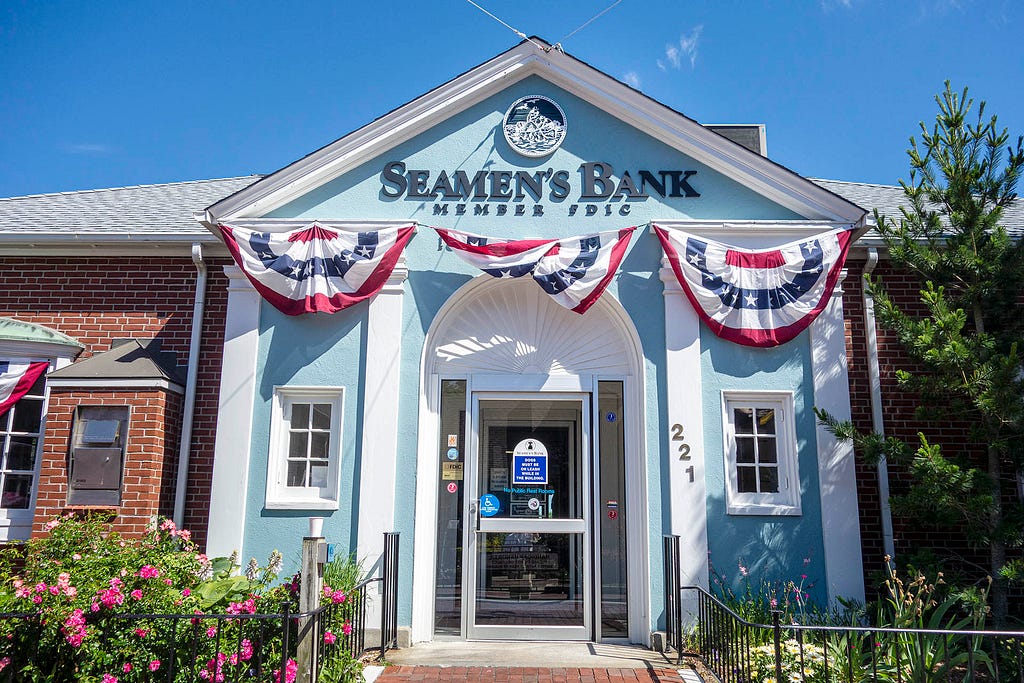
528, 546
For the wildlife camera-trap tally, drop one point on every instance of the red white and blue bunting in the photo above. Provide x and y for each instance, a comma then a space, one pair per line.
16, 378
574, 271
318, 268
757, 298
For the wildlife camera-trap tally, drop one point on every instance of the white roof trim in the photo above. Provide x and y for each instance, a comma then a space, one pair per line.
100, 383
635, 109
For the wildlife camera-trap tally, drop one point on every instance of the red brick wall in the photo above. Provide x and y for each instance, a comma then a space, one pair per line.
97, 300
150, 459
898, 409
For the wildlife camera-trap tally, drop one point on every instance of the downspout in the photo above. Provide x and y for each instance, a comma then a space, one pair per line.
188, 412
877, 418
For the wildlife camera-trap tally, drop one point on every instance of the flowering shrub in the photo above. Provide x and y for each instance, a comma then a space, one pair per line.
755, 601
85, 600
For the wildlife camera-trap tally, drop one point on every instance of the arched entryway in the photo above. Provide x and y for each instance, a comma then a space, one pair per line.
530, 513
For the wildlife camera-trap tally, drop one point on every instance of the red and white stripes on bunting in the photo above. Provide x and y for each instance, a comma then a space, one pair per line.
752, 297
316, 268
574, 271
16, 378
757, 298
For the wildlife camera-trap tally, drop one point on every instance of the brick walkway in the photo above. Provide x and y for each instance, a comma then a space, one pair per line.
506, 674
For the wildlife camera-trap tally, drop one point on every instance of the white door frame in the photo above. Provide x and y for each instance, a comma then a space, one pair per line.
473, 524
626, 364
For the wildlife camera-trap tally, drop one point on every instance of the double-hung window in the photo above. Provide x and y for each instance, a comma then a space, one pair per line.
21, 439
760, 453
305, 448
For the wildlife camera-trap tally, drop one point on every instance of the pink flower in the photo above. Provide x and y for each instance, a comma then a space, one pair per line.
37, 599
149, 572
95, 607
168, 581
774, 603
109, 678
803, 576
167, 525
126, 668
136, 594
290, 671
337, 597
71, 591
186, 592
246, 649
17, 583
52, 524
185, 535
76, 556
4, 663
154, 665
346, 628
141, 632
40, 587
211, 631
330, 638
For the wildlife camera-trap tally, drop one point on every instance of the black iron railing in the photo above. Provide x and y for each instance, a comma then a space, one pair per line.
739, 651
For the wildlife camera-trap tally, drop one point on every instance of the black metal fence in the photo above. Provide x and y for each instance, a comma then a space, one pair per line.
739, 651
199, 648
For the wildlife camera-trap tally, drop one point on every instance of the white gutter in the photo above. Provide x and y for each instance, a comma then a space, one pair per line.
190, 384
877, 418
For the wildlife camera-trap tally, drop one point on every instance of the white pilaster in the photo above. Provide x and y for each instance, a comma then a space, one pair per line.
229, 487
684, 432
837, 477
379, 452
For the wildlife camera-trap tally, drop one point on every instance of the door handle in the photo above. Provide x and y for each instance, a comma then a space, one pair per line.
474, 510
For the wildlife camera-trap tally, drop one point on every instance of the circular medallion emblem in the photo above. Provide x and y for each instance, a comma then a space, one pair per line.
534, 126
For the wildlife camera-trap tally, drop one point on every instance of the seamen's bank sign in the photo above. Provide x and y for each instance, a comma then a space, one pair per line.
534, 126
589, 190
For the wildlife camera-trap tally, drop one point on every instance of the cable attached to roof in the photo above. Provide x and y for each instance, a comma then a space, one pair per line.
557, 46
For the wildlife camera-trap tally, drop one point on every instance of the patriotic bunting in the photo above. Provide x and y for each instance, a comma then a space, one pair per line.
316, 268
16, 378
757, 298
574, 270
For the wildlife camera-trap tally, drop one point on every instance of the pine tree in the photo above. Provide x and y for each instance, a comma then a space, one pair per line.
963, 342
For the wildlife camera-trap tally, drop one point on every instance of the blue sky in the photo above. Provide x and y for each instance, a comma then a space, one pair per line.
105, 94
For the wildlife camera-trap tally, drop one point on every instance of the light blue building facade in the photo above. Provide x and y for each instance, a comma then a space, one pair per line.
420, 400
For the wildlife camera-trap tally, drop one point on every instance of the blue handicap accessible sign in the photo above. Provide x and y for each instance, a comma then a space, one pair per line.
489, 505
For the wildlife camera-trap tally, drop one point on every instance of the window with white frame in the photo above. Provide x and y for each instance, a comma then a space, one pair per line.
305, 448
760, 453
21, 435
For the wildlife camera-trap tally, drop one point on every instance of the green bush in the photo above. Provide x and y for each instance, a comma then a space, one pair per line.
81, 595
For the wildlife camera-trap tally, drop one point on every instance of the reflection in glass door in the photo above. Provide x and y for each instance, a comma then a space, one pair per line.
528, 551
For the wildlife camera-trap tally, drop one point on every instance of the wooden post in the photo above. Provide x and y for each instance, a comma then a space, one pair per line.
307, 650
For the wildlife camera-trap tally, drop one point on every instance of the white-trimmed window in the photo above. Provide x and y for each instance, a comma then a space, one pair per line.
761, 473
305, 448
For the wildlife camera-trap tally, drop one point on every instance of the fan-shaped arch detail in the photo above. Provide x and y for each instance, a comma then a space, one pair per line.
500, 326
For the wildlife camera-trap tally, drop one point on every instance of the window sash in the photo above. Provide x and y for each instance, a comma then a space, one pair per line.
760, 453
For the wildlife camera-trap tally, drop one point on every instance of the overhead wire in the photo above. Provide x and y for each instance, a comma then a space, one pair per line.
557, 45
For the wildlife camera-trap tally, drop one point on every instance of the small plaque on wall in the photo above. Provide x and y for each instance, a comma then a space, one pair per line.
451, 471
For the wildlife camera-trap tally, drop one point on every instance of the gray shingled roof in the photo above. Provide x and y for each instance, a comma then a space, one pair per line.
888, 199
147, 209
126, 359
167, 208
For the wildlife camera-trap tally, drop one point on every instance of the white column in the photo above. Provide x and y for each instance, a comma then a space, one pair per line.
684, 432
837, 477
229, 488
379, 452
